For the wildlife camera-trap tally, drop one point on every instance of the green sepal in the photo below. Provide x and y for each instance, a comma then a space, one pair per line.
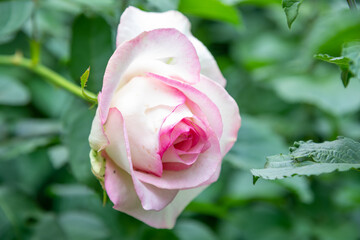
98, 166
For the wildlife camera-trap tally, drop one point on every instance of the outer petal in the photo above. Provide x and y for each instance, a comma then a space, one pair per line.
208, 64
134, 21
163, 51
120, 189
119, 171
228, 109
97, 137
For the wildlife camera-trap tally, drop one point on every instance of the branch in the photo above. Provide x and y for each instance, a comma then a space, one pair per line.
47, 74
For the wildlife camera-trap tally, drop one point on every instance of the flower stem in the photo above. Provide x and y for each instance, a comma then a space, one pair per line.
46, 73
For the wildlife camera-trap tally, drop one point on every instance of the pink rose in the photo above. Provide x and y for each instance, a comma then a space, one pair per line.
164, 120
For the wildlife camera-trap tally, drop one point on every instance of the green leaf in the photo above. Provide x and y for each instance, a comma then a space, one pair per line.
351, 50
84, 78
91, 45
349, 62
13, 14
342, 62
309, 158
12, 92
210, 9
291, 8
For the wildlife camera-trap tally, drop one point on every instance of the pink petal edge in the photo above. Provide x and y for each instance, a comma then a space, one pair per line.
228, 108
151, 197
135, 21
167, 48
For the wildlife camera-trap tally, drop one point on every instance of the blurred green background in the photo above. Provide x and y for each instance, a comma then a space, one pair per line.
47, 190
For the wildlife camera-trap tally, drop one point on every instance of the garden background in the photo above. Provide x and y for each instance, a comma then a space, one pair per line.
47, 190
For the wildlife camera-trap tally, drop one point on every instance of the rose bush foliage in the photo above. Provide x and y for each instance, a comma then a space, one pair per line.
164, 120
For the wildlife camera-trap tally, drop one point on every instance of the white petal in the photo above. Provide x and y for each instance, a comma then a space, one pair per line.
134, 21
145, 103
229, 111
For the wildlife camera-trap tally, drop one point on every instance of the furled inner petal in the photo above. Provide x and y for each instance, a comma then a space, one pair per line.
199, 103
200, 173
183, 137
144, 104
179, 113
189, 150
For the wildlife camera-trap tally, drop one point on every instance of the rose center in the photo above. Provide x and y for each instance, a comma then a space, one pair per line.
182, 145
186, 140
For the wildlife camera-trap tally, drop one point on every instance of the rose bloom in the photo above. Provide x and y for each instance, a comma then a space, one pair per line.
164, 120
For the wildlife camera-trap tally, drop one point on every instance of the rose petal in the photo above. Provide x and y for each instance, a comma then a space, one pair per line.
163, 51
134, 21
179, 113
197, 175
203, 103
208, 63
97, 137
228, 109
172, 161
145, 103
171, 156
116, 183
121, 191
